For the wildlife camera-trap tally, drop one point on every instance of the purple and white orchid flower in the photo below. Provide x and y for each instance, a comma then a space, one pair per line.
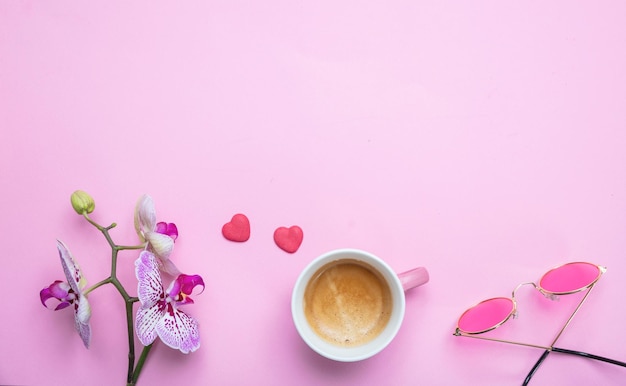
70, 293
158, 314
159, 237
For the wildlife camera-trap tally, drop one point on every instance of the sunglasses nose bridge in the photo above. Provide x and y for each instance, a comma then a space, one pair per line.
521, 285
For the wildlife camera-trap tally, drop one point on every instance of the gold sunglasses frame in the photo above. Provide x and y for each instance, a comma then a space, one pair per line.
553, 296
548, 294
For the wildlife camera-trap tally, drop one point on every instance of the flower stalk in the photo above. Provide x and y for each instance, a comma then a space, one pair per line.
158, 313
133, 371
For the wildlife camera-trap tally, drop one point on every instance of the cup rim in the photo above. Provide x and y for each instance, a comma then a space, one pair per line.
360, 352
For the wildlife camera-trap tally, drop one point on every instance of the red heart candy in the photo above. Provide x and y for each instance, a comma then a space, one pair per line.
288, 239
238, 229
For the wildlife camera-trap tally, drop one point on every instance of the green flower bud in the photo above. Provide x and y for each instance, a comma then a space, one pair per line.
82, 202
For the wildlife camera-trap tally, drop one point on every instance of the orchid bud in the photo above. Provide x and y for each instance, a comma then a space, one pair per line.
82, 202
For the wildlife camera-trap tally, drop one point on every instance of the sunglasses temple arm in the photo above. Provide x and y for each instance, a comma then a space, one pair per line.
459, 333
535, 367
571, 316
590, 356
545, 354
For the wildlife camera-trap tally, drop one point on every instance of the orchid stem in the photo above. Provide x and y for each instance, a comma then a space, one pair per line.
140, 363
133, 371
131, 341
126, 247
100, 284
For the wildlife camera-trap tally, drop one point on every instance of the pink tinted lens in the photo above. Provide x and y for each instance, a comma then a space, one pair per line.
570, 277
486, 315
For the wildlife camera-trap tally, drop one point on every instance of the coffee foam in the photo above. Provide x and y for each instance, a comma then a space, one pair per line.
347, 303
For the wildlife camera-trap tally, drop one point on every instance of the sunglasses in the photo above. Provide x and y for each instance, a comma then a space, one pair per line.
566, 279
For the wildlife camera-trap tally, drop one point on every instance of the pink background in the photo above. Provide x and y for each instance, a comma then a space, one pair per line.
485, 141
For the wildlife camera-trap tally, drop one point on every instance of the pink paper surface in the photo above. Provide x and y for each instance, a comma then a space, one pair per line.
485, 141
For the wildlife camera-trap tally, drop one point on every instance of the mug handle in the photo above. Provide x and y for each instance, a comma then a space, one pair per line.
413, 278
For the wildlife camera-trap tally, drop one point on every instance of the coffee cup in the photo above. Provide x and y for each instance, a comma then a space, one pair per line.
348, 304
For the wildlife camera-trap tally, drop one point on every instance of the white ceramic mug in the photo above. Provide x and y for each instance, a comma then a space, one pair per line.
397, 284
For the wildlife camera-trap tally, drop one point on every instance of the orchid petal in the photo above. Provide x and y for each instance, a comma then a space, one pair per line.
71, 269
179, 331
169, 267
169, 229
184, 300
71, 293
182, 287
62, 305
150, 286
190, 282
82, 314
161, 244
84, 330
161, 227
44, 295
145, 216
146, 322
158, 314
57, 290
60, 289
174, 289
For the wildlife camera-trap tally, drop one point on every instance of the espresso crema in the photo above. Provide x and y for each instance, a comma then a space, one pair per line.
347, 303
